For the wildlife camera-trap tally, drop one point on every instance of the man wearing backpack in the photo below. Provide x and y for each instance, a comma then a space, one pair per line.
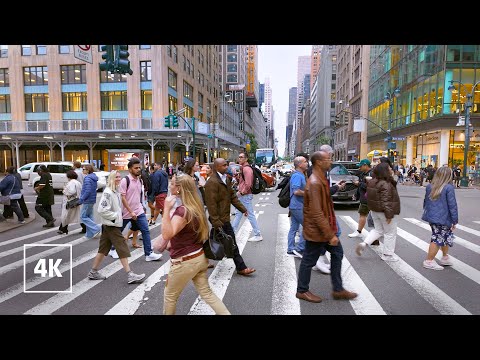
244, 194
297, 185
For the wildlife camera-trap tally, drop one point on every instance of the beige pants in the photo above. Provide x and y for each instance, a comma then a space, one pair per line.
180, 274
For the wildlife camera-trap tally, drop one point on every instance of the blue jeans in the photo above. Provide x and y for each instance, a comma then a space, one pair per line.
142, 225
296, 219
86, 217
246, 200
310, 257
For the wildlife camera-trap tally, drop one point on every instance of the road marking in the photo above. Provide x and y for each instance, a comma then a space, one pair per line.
32, 282
20, 248
261, 198
29, 236
284, 301
477, 222
267, 198
458, 240
263, 205
261, 212
264, 194
130, 304
58, 301
222, 274
467, 229
424, 287
257, 204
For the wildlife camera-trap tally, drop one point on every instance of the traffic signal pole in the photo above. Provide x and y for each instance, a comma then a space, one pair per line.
169, 121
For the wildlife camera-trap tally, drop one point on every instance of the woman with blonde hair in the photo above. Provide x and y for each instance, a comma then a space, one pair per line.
110, 210
441, 212
184, 231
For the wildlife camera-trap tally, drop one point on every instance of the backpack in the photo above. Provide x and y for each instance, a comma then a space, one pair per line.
284, 196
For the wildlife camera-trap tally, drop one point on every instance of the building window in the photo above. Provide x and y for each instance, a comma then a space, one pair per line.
188, 67
4, 79
3, 51
232, 58
188, 91
175, 57
231, 78
41, 49
188, 112
169, 50
145, 71
113, 101
26, 50
74, 101
5, 104
145, 47
36, 103
172, 103
35, 75
200, 100
232, 48
73, 74
64, 49
172, 79
232, 68
209, 106
146, 97
203, 79
108, 77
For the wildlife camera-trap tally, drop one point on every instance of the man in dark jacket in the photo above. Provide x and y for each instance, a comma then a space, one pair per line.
363, 209
7, 211
88, 198
159, 181
219, 196
10, 186
45, 198
319, 229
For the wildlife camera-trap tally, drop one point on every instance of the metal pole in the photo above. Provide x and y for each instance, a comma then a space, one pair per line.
193, 134
468, 105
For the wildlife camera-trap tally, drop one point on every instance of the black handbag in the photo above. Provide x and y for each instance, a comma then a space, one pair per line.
219, 245
72, 203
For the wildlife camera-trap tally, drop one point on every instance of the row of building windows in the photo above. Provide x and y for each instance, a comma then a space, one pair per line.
42, 49
110, 101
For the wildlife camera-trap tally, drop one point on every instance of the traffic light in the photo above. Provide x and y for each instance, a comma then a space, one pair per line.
394, 153
122, 64
108, 57
174, 121
167, 121
390, 153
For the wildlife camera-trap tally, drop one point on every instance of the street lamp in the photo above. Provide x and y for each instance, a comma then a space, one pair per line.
468, 105
390, 144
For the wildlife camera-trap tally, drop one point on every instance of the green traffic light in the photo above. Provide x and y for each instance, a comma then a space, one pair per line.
167, 121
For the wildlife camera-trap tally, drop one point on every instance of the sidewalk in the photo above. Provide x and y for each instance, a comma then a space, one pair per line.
13, 223
409, 183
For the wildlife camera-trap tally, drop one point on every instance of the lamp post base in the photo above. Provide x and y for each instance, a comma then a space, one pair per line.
464, 182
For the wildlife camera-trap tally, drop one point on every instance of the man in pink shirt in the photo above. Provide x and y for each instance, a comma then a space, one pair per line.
244, 194
132, 193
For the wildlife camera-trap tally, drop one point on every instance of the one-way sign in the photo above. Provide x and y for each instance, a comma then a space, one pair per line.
396, 138
83, 52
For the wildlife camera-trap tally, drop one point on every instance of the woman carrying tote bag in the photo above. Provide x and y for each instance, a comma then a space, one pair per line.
72, 190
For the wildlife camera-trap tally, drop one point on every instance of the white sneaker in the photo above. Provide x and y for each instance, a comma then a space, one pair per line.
256, 238
431, 264
360, 247
135, 278
298, 254
153, 257
113, 254
389, 258
322, 267
355, 234
446, 261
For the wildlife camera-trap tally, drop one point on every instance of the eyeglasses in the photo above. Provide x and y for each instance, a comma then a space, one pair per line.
241, 157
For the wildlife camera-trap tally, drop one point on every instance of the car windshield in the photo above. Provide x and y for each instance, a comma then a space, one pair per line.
287, 167
338, 169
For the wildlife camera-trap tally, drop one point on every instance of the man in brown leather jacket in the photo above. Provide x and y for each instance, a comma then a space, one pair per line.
219, 196
319, 229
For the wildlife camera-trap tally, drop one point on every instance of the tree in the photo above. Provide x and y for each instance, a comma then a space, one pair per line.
322, 140
253, 145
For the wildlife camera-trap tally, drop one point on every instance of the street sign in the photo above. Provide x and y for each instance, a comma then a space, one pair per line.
359, 125
395, 138
83, 52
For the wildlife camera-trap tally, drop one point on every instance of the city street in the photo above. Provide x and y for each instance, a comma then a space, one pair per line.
399, 288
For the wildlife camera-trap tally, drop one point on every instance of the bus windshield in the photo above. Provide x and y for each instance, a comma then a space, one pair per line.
265, 157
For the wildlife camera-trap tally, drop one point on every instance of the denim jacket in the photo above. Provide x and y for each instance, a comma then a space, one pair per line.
443, 210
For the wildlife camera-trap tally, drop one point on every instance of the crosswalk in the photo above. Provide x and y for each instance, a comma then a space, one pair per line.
384, 288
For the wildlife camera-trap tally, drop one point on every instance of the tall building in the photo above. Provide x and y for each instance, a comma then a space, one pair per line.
268, 109
261, 95
303, 68
424, 116
292, 114
316, 58
59, 107
342, 99
302, 133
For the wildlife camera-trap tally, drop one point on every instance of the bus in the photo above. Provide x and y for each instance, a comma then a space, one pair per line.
265, 157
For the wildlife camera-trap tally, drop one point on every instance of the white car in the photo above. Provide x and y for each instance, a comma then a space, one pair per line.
24, 170
58, 170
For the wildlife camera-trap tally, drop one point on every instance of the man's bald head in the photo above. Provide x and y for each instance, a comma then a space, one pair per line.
220, 165
320, 159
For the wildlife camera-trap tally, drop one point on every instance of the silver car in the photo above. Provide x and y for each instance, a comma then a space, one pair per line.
349, 195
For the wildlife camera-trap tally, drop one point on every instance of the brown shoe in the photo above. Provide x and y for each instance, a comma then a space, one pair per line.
344, 295
308, 296
376, 243
246, 271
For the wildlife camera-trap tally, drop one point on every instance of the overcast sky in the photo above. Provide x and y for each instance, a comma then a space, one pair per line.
279, 63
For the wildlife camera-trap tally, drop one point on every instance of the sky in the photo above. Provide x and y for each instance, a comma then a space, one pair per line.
279, 63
